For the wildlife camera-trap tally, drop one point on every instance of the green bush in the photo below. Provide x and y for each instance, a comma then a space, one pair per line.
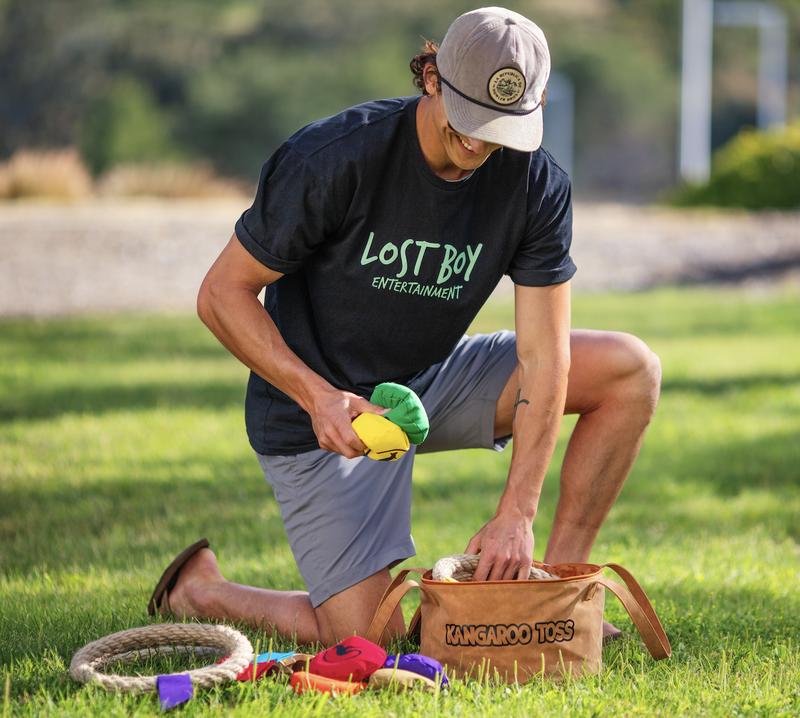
126, 125
755, 170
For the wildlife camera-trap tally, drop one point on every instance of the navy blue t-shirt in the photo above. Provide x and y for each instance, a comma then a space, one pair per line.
386, 263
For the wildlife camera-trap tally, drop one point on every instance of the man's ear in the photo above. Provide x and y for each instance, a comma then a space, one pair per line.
431, 77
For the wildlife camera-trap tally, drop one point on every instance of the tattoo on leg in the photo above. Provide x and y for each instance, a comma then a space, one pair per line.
519, 400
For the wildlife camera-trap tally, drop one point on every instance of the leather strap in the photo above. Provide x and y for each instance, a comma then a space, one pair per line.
386, 608
414, 626
640, 610
414, 632
399, 578
394, 583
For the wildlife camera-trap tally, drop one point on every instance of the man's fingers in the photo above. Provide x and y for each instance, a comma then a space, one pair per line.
342, 448
352, 442
347, 435
499, 568
342, 440
359, 405
484, 566
511, 571
474, 545
524, 571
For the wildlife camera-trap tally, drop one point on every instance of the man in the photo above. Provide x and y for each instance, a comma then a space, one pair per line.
379, 233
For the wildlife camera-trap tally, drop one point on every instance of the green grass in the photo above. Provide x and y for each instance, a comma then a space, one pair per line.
122, 439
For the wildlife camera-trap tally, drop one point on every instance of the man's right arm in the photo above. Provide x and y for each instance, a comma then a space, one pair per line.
228, 305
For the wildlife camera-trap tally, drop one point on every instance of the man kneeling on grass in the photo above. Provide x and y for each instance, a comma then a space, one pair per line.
379, 233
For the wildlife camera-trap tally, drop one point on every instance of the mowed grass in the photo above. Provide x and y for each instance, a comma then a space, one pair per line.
122, 439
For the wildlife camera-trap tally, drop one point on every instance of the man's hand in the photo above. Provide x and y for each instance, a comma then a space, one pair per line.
331, 417
505, 545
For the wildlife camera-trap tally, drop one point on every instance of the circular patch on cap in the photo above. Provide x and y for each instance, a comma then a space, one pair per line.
506, 86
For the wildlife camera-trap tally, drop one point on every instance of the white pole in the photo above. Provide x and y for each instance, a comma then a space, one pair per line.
695, 139
773, 58
559, 120
773, 63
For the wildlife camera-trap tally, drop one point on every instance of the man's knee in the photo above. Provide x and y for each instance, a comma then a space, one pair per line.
351, 611
333, 628
639, 370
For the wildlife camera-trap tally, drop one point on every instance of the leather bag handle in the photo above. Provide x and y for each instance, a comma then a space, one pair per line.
399, 578
413, 632
386, 608
639, 608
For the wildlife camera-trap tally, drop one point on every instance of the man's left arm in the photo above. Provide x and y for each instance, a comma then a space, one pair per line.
542, 319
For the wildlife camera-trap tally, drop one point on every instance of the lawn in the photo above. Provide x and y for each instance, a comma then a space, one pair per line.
122, 439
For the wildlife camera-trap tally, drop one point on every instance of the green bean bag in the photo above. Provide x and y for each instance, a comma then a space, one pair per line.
406, 410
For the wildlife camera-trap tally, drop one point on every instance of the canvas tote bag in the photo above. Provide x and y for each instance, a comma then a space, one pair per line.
514, 631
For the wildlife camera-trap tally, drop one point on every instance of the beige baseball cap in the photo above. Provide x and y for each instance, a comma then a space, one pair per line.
494, 65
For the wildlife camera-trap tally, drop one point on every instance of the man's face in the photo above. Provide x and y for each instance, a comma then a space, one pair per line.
464, 152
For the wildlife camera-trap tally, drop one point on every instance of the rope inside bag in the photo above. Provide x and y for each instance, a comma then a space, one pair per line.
461, 567
162, 640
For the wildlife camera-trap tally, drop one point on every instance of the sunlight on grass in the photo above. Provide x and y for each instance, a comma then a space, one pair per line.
122, 439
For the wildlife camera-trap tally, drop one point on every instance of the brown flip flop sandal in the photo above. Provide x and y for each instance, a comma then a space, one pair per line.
170, 577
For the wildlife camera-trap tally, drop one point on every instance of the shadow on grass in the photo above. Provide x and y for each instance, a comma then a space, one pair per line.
35, 403
730, 384
728, 468
123, 338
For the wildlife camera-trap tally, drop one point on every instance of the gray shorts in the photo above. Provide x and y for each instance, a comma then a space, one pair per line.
347, 519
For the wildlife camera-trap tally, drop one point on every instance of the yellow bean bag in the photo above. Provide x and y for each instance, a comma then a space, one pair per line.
385, 440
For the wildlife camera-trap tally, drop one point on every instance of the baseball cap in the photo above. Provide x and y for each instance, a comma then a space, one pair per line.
494, 64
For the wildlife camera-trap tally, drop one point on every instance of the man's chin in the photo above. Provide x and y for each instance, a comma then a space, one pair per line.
470, 165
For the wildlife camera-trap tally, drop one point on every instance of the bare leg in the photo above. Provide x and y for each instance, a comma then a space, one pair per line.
614, 383
202, 592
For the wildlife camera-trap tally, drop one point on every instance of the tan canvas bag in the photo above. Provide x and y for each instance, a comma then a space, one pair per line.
517, 630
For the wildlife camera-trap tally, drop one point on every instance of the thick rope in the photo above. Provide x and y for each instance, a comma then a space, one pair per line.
461, 567
159, 640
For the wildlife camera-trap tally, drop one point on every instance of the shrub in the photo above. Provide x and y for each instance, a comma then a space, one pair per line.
166, 180
58, 174
755, 170
126, 124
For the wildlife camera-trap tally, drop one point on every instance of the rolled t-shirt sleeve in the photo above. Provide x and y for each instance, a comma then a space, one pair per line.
291, 212
543, 257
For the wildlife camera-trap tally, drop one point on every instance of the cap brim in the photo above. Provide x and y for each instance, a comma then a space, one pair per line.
518, 132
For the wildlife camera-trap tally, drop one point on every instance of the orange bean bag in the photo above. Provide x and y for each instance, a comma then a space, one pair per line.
302, 681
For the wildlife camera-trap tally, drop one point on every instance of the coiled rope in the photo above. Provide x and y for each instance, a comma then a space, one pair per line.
160, 640
461, 567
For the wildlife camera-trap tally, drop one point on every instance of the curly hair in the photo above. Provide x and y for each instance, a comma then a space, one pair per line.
418, 62
428, 57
